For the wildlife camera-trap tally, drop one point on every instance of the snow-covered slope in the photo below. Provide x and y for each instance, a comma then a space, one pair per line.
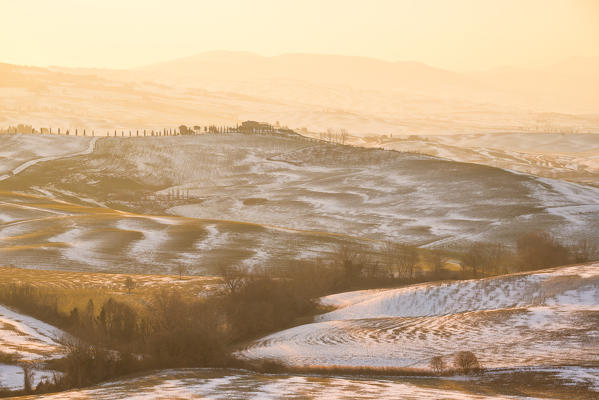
544, 318
241, 385
301, 184
572, 286
28, 339
20, 151
41, 233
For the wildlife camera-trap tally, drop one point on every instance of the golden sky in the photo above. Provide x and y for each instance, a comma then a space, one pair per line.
453, 34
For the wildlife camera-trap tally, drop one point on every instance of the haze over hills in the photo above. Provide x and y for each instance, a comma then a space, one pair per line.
384, 200
362, 95
575, 78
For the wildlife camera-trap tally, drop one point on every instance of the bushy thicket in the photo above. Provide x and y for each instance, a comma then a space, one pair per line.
531, 251
169, 330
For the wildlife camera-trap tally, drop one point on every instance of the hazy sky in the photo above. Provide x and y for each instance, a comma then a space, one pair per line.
454, 34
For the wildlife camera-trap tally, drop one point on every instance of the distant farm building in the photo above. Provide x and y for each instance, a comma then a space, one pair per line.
255, 127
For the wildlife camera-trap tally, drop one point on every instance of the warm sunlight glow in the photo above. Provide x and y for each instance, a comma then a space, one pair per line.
459, 35
284, 199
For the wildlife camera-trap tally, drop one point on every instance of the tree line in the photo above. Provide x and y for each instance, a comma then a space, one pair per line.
248, 127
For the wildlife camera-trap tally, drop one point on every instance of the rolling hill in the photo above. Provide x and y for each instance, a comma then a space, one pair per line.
150, 204
541, 319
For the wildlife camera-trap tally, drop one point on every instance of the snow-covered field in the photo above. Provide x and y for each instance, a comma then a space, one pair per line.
144, 205
41, 233
21, 151
531, 319
298, 184
222, 384
11, 376
573, 157
29, 340
27, 337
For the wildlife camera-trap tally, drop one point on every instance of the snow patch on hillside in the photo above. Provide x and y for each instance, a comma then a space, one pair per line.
542, 318
29, 338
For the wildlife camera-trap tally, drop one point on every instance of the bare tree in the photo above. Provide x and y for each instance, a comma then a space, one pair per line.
408, 261
352, 260
436, 261
437, 365
540, 249
584, 251
487, 258
331, 135
27, 378
401, 259
474, 258
181, 269
390, 250
343, 135
233, 277
466, 362
129, 284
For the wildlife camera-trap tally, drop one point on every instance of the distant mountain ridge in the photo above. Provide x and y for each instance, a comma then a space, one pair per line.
359, 72
360, 94
570, 86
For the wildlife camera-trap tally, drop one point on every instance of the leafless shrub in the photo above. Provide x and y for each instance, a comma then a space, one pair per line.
584, 251
233, 277
401, 260
437, 365
540, 249
181, 269
483, 259
129, 284
466, 362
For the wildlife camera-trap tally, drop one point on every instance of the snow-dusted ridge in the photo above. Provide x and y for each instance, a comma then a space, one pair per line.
542, 318
548, 287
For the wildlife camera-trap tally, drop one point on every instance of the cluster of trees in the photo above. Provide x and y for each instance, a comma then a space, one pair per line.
464, 362
171, 330
338, 136
532, 251
245, 127
120, 337
20, 128
197, 129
